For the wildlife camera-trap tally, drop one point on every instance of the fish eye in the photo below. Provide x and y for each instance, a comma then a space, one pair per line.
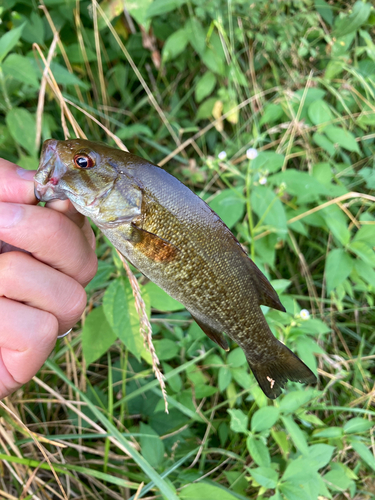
83, 161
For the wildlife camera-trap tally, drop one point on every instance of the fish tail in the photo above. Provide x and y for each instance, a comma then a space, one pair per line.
273, 373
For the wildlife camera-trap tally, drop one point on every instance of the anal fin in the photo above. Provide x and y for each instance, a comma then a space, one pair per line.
214, 335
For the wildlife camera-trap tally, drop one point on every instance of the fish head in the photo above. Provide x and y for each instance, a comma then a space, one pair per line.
89, 175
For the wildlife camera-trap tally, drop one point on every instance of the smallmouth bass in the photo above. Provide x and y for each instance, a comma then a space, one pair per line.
174, 238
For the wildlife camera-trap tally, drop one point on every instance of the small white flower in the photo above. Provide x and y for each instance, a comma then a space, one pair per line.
251, 153
304, 314
263, 180
222, 155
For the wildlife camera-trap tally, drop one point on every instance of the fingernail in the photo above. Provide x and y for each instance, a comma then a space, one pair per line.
28, 175
10, 214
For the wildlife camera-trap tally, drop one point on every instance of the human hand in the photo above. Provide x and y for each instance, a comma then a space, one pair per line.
47, 256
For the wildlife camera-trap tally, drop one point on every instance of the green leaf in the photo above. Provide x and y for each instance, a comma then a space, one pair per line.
205, 109
159, 7
337, 480
264, 418
139, 10
356, 425
296, 435
364, 453
97, 335
330, 432
320, 455
22, 127
323, 142
152, 446
175, 44
196, 34
121, 314
229, 206
366, 272
355, 20
166, 349
64, 77
258, 451
272, 112
300, 184
366, 234
9, 40
34, 29
363, 251
268, 161
319, 112
134, 130
160, 300
298, 489
225, 377
238, 421
205, 86
294, 400
265, 476
236, 358
338, 267
368, 174
203, 491
269, 208
20, 68
325, 10
342, 137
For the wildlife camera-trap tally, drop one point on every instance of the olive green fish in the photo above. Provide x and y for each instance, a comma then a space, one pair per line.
176, 240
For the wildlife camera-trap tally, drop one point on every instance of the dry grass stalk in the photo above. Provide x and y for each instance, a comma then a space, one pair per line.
145, 328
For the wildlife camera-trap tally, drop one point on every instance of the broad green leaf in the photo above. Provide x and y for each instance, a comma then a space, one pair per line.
205, 109
314, 326
229, 206
330, 432
160, 300
368, 174
355, 20
366, 234
272, 112
342, 137
203, 491
264, 418
300, 184
242, 377
238, 421
196, 34
269, 209
134, 130
268, 161
225, 378
319, 112
320, 455
175, 44
299, 489
139, 10
64, 77
365, 271
121, 314
20, 68
337, 480
364, 453
325, 10
152, 446
338, 266
97, 335
258, 451
236, 358
101, 277
294, 400
22, 127
9, 40
205, 86
33, 31
265, 476
356, 425
363, 251
166, 349
323, 142
159, 7
296, 435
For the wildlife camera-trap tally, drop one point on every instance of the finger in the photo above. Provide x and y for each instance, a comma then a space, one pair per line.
27, 280
27, 337
16, 184
65, 207
50, 237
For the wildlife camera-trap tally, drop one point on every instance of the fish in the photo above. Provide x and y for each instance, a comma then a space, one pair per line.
177, 241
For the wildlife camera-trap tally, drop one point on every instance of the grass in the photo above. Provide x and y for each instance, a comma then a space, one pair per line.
287, 82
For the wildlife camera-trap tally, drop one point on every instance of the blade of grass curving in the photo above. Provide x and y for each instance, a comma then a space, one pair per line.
164, 474
117, 437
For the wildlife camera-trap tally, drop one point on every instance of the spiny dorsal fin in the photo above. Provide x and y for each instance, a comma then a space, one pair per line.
214, 335
267, 294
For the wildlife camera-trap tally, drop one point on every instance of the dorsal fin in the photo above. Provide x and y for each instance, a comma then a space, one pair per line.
267, 294
213, 334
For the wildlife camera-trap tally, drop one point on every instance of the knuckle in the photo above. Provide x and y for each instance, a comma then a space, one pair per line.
11, 264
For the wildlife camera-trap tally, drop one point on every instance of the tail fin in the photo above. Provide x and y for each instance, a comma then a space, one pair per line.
273, 374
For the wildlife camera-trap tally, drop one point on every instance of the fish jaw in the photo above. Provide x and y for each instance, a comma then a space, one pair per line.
51, 169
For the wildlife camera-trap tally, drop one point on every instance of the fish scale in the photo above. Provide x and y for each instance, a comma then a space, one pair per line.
176, 240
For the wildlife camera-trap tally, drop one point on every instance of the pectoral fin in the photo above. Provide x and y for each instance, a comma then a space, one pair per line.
267, 294
214, 335
152, 246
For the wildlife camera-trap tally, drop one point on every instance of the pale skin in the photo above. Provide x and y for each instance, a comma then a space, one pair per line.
42, 287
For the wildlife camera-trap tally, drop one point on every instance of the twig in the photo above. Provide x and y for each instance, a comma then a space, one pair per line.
145, 327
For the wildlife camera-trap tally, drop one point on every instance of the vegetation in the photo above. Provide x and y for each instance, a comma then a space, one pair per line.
267, 111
